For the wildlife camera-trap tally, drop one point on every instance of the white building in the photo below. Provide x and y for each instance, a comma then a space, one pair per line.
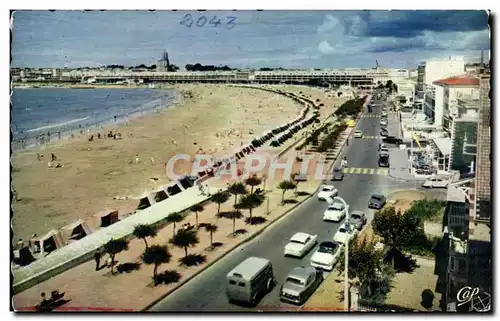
441, 99
435, 70
406, 92
439, 69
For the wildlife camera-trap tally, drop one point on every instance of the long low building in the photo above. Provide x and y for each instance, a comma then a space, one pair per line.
364, 78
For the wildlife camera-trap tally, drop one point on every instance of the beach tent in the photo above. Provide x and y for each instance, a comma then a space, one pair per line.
76, 230
146, 200
105, 218
50, 242
174, 189
160, 195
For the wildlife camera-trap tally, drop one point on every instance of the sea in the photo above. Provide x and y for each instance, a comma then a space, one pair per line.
43, 115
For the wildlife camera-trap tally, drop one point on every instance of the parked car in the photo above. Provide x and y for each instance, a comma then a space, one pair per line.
336, 212
383, 148
392, 140
384, 132
337, 174
383, 113
299, 284
383, 122
300, 244
376, 201
343, 235
327, 191
357, 219
326, 255
358, 134
435, 182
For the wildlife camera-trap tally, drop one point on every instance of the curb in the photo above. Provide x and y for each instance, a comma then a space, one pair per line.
248, 239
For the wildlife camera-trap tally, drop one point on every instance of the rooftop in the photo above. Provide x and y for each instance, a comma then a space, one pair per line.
463, 80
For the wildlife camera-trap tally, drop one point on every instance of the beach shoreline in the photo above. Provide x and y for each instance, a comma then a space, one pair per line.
215, 118
51, 133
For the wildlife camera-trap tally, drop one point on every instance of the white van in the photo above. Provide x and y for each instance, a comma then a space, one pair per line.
250, 281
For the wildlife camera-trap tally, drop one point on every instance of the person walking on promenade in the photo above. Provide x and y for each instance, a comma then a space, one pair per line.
97, 259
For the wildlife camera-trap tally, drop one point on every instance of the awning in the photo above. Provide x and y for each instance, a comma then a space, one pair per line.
443, 145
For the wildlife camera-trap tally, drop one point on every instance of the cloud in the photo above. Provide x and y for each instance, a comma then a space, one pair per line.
325, 48
400, 31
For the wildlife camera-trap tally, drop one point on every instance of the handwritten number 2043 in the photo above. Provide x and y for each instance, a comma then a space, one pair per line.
188, 21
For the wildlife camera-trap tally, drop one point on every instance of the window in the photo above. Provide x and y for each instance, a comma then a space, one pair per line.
294, 281
232, 282
241, 284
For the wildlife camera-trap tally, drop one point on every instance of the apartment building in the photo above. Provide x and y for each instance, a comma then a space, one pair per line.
483, 166
463, 258
429, 72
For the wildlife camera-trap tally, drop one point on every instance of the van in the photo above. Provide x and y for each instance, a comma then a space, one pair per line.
250, 281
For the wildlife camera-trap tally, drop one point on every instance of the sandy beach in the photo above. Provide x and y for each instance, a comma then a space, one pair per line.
211, 117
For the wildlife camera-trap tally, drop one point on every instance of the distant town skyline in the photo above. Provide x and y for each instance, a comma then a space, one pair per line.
253, 39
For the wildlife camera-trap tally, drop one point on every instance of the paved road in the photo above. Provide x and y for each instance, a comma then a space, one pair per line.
206, 292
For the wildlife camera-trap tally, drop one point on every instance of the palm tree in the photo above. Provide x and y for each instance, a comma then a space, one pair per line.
264, 179
249, 202
253, 181
185, 239
174, 218
234, 215
144, 230
285, 186
237, 188
211, 228
219, 198
113, 247
294, 179
156, 255
196, 208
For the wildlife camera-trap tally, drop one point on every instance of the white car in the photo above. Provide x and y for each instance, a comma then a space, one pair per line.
327, 191
435, 182
342, 234
326, 255
358, 134
383, 114
300, 244
336, 212
383, 122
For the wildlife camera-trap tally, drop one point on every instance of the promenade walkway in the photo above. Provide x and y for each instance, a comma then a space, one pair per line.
81, 251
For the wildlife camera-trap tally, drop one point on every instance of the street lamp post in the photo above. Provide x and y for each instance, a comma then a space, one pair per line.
346, 252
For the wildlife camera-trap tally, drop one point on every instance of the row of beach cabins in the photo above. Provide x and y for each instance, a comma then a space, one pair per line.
39, 247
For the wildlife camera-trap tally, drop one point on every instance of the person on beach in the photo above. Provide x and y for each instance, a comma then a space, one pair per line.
137, 158
54, 158
59, 135
98, 135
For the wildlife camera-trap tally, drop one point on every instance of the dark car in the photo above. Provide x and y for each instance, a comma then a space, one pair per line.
377, 201
384, 132
392, 140
383, 159
299, 284
358, 219
337, 174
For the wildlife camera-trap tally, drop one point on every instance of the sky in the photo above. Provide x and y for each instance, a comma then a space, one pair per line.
250, 39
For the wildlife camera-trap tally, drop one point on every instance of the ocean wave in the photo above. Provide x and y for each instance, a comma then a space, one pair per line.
58, 125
